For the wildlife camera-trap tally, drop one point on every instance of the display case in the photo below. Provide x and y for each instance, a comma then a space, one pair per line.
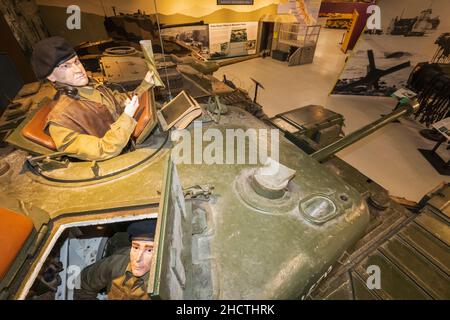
297, 41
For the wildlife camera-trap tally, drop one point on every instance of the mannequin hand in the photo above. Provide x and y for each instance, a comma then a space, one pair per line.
149, 78
131, 106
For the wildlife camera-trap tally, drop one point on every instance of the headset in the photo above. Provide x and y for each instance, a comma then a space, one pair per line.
69, 91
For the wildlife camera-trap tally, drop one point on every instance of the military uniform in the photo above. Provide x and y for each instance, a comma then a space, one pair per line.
114, 274
92, 126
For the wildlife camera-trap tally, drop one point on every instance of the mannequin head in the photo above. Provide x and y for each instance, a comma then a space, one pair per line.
141, 254
142, 241
70, 72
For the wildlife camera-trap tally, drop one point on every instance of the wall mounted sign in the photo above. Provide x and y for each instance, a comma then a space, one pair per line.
232, 39
196, 37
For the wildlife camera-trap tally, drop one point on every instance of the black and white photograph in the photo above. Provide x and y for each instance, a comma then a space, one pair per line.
412, 32
196, 37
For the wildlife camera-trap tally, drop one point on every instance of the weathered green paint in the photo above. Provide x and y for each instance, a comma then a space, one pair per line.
332, 149
260, 255
253, 253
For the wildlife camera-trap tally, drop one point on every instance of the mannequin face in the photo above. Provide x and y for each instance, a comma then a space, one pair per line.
141, 257
71, 73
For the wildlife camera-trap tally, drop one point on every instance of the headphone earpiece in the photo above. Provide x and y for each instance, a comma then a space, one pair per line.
71, 92
63, 89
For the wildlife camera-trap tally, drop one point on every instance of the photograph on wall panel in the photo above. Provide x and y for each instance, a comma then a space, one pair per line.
412, 31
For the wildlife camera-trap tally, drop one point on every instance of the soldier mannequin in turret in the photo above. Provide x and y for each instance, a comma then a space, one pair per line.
124, 274
88, 120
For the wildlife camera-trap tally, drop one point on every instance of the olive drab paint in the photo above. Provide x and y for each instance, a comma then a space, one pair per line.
234, 146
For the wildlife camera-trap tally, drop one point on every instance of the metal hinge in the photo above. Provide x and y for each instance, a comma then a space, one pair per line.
49, 162
201, 192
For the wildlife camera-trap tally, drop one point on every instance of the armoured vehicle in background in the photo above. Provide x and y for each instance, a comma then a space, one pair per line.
118, 60
414, 27
339, 20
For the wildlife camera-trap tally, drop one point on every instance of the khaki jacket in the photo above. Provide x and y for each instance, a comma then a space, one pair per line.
113, 274
90, 147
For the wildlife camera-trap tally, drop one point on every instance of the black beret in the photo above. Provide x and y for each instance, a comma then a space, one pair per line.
144, 229
48, 54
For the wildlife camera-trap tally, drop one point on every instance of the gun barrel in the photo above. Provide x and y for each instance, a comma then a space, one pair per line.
230, 61
330, 150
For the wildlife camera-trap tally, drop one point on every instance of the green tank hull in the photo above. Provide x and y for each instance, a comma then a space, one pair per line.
251, 247
244, 240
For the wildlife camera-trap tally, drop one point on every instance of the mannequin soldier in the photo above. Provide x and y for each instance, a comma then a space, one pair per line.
88, 120
124, 274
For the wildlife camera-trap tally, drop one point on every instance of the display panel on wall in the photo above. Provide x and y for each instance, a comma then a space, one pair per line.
382, 61
231, 2
195, 37
232, 39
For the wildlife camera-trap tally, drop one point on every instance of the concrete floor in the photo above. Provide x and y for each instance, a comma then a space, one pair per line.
389, 157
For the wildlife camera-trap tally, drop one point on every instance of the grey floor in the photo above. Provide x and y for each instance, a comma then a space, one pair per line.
389, 157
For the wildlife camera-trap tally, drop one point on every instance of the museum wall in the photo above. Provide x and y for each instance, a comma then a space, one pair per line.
170, 12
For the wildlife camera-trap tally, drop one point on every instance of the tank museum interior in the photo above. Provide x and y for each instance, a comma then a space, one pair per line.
224, 150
